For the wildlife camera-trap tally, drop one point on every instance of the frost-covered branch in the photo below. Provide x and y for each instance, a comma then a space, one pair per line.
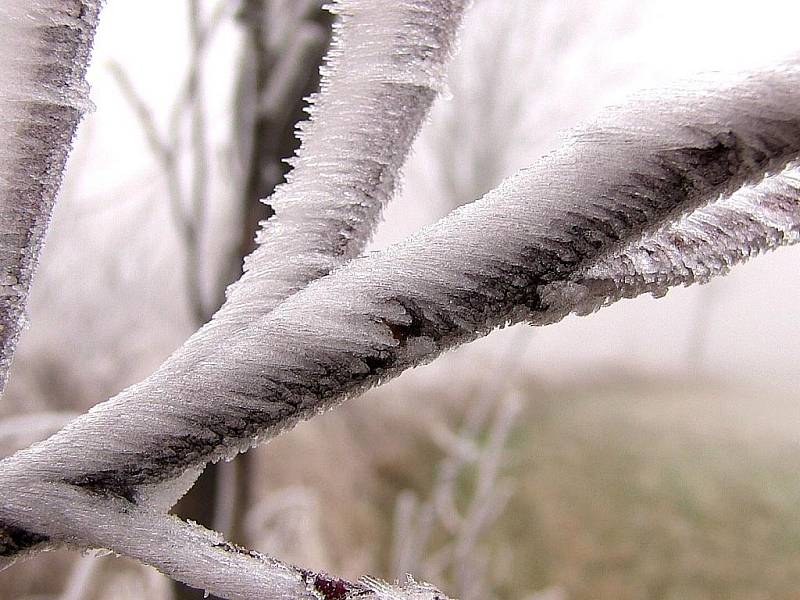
285, 44
513, 256
705, 243
45, 47
190, 553
283, 349
382, 73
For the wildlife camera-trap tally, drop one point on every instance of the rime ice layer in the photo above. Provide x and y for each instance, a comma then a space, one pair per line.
45, 46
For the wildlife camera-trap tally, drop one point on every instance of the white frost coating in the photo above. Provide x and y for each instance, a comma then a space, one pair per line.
45, 47
489, 263
493, 262
704, 244
190, 553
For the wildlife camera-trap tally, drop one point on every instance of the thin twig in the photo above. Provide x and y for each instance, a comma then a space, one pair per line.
164, 153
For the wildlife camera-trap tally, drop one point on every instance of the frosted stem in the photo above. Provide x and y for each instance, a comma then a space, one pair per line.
45, 46
188, 552
703, 244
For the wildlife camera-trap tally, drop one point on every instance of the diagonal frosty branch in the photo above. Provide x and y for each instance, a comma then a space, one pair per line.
44, 46
699, 246
518, 254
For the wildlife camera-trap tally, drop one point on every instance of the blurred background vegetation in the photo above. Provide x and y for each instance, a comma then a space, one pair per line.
648, 451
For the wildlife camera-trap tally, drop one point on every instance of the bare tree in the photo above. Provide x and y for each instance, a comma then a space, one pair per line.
671, 189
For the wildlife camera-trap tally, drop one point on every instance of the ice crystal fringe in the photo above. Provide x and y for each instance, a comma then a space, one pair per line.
45, 47
699, 246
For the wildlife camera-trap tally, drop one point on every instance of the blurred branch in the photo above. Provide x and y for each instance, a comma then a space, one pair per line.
201, 36
415, 523
198, 198
162, 149
286, 523
81, 578
187, 220
521, 81
291, 73
188, 207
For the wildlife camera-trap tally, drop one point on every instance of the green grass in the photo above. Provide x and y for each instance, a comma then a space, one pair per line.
612, 502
